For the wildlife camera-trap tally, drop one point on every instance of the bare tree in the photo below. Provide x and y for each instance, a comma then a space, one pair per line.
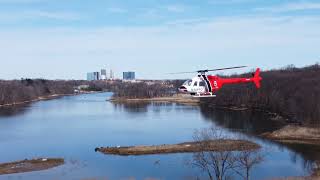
245, 161
222, 165
217, 165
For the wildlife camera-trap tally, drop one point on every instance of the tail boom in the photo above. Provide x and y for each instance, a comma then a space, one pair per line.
217, 82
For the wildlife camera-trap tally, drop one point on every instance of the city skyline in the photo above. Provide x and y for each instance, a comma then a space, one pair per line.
40, 39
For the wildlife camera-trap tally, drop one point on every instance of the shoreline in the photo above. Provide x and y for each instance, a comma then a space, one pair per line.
292, 134
43, 98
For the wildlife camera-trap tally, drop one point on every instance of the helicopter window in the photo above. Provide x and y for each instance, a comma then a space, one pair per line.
196, 83
202, 83
187, 83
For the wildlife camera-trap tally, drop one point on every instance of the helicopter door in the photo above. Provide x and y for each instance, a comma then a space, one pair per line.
197, 87
204, 85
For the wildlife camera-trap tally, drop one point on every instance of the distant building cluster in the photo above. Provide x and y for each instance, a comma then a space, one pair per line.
103, 75
129, 75
93, 76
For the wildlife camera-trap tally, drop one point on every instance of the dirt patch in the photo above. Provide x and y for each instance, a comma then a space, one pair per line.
187, 147
295, 134
29, 165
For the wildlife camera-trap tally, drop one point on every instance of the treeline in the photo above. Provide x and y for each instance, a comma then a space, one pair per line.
146, 89
28, 89
17, 91
293, 93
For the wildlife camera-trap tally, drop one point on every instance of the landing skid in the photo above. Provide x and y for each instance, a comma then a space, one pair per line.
205, 96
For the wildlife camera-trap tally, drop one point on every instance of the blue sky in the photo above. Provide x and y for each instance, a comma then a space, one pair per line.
64, 39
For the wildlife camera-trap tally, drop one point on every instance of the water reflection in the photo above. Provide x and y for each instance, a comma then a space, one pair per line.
132, 107
246, 121
13, 110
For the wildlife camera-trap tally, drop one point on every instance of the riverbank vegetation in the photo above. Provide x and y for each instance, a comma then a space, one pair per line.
17, 91
289, 93
26, 90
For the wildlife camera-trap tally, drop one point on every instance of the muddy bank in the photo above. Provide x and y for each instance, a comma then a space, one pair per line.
179, 98
43, 98
187, 147
296, 135
29, 165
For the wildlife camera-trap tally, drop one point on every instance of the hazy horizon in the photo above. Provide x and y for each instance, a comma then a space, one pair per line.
65, 40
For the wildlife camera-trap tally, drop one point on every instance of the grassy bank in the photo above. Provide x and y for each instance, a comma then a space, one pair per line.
29, 165
295, 135
178, 98
187, 147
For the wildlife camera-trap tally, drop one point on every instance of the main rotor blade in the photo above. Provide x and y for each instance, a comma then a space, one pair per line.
237, 67
184, 72
207, 70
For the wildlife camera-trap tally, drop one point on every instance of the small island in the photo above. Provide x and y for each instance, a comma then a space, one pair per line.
30, 165
186, 147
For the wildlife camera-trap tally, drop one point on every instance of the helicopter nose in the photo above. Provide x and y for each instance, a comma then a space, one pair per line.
182, 89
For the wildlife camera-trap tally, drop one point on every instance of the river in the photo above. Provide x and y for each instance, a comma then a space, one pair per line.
72, 127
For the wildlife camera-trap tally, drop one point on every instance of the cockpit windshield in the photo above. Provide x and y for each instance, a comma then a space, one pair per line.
187, 83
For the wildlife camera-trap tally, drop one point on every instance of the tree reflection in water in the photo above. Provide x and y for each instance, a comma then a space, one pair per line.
223, 164
254, 124
132, 107
13, 110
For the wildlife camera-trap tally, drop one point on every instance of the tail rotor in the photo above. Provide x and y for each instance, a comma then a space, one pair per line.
257, 78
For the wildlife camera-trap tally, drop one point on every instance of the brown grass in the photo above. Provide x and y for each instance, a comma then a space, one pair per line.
296, 134
29, 165
212, 145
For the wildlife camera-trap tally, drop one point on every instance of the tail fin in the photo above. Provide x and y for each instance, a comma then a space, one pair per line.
257, 78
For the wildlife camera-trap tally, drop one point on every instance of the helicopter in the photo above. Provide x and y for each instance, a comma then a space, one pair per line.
204, 85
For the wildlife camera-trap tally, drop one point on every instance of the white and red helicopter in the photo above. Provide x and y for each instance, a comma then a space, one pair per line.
206, 85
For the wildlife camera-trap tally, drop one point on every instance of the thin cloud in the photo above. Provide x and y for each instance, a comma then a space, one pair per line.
117, 10
176, 8
291, 7
36, 15
20, 1
229, 2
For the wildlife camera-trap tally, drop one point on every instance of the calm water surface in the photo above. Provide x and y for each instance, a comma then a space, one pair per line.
72, 127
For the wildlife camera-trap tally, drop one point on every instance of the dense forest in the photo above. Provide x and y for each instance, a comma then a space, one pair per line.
293, 93
28, 89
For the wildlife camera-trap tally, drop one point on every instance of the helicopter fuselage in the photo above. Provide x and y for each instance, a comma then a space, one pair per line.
207, 85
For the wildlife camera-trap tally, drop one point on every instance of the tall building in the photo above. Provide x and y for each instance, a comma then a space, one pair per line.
111, 74
103, 75
129, 75
93, 76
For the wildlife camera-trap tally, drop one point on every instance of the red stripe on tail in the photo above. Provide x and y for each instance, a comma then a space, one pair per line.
257, 78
